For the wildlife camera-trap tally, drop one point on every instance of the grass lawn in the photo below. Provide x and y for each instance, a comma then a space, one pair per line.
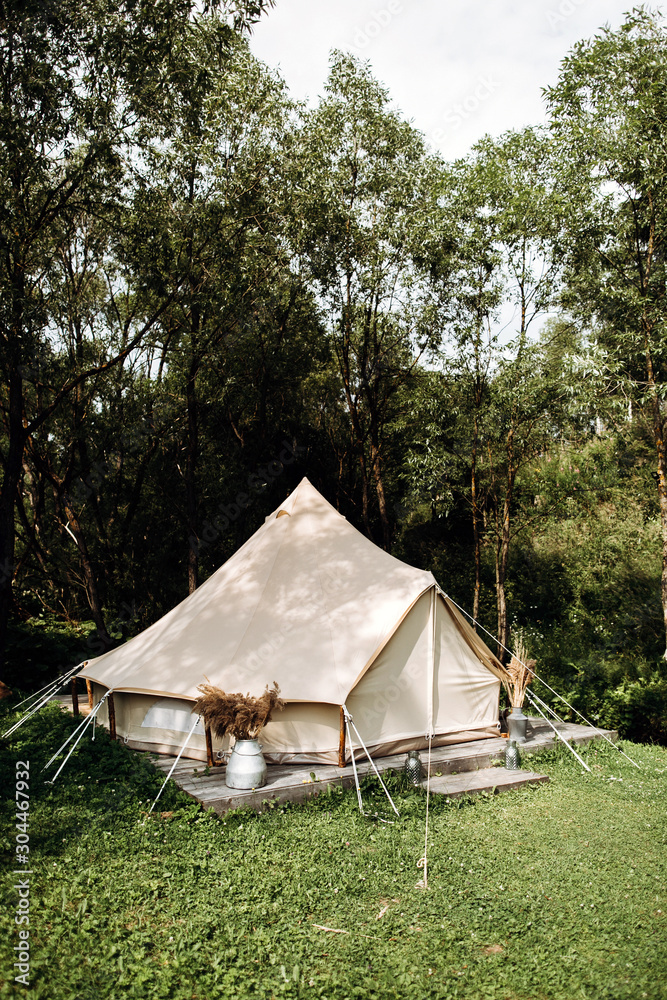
557, 891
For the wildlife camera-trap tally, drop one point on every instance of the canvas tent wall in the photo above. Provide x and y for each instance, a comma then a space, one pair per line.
311, 603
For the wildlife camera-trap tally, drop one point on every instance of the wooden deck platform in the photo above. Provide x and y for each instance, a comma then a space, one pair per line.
451, 766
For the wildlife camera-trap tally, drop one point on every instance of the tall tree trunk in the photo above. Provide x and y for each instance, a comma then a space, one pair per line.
192, 443
8, 493
66, 509
365, 498
92, 589
502, 558
192, 450
503, 538
478, 398
476, 534
662, 494
353, 410
382, 501
661, 450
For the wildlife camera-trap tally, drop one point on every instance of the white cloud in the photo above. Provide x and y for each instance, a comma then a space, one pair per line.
457, 68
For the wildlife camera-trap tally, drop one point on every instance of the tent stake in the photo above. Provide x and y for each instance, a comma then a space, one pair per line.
75, 698
341, 739
112, 718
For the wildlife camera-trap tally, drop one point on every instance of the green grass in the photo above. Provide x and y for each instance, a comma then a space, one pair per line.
556, 891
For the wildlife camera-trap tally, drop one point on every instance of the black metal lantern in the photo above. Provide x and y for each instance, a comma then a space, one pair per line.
512, 759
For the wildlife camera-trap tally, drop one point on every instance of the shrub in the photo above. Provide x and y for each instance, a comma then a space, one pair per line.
41, 647
638, 710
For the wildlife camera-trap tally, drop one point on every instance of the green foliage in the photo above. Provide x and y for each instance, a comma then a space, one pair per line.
540, 892
585, 590
609, 118
41, 647
638, 707
363, 198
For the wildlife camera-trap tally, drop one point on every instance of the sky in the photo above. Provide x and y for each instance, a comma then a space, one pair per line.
457, 69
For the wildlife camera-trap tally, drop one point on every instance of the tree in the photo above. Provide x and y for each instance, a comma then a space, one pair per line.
609, 117
364, 190
205, 208
79, 83
526, 409
502, 208
472, 294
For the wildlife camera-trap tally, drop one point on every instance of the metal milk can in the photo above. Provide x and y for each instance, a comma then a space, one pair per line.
517, 724
246, 767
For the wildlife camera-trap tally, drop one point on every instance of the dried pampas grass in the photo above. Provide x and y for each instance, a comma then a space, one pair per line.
238, 715
520, 672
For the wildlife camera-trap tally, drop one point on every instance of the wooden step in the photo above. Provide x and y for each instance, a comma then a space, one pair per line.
487, 779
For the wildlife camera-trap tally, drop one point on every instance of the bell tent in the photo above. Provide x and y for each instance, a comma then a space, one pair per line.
311, 603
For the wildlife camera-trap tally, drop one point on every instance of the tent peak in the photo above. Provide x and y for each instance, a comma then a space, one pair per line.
305, 498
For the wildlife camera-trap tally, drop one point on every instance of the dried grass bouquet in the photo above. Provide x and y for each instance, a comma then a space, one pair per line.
520, 672
240, 715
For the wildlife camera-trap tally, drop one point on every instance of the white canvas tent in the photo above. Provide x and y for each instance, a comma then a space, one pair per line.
311, 603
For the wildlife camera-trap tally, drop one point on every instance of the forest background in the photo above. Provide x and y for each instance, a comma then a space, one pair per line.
208, 291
